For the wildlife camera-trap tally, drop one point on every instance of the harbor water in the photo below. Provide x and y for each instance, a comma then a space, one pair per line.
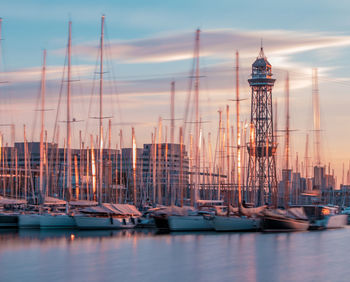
129, 255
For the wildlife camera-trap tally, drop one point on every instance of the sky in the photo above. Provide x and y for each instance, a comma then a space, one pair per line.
148, 44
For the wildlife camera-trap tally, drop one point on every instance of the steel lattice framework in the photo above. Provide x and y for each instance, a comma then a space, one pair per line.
262, 182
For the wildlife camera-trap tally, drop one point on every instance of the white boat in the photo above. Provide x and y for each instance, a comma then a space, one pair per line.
236, 223
29, 220
347, 212
48, 221
239, 219
189, 223
94, 222
325, 217
333, 221
107, 216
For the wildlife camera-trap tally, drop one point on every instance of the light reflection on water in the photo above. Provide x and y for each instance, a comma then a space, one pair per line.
128, 255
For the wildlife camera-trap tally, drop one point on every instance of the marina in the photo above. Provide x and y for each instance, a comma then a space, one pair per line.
154, 141
95, 193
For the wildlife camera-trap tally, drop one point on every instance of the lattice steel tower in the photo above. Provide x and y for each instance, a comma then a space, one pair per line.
262, 182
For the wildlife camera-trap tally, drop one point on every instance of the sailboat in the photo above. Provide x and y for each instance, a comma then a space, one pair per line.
241, 218
105, 216
188, 219
32, 219
63, 219
289, 219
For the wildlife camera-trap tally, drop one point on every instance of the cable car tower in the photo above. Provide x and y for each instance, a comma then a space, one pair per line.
262, 182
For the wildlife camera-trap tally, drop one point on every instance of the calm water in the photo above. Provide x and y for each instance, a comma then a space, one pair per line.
144, 256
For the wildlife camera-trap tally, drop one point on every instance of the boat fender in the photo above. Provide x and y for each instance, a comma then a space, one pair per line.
111, 219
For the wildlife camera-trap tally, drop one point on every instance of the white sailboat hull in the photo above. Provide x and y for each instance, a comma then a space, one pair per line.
189, 223
236, 223
100, 223
333, 221
29, 221
57, 221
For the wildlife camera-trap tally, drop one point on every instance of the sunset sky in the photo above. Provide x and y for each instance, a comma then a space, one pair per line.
150, 43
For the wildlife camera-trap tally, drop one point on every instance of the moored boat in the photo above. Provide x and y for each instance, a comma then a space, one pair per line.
195, 222
239, 219
29, 220
292, 219
236, 223
107, 216
9, 212
325, 217
173, 218
57, 220
8, 220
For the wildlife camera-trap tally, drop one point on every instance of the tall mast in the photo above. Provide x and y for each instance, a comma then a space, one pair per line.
196, 87
154, 172
109, 160
69, 153
238, 132
158, 160
307, 157
134, 160
316, 110
181, 167
220, 155
25, 161
172, 141
172, 111
287, 182
41, 187
101, 113
228, 177
121, 165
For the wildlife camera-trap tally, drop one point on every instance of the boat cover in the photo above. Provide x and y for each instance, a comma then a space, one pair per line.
299, 213
83, 203
54, 201
9, 201
97, 210
174, 210
296, 213
127, 209
252, 211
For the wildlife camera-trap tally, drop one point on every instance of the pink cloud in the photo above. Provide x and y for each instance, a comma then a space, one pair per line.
220, 43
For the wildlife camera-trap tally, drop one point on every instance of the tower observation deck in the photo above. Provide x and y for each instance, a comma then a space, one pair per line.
262, 182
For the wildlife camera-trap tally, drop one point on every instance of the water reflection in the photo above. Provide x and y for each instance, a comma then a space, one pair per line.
144, 255
68, 234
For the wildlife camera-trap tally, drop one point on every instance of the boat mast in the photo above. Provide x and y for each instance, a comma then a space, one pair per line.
181, 167
197, 128
109, 161
41, 173
101, 116
69, 153
220, 155
287, 182
134, 166
158, 162
172, 136
121, 167
238, 133
25, 161
227, 151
